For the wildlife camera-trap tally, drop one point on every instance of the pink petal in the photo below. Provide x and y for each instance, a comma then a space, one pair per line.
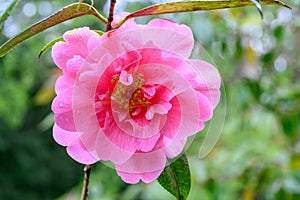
83, 102
65, 121
210, 80
94, 41
77, 40
190, 115
144, 166
85, 121
147, 144
173, 122
85, 110
73, 64
205, 107
60, 54
89, 141
169, 24
133, 178
181, 88
159, 109
174, 147
79, 153
160, 102
128, 141
63, 82
109, 151
149, 91
64, 137
175, 38
62, 108
63, 102
180, 41
76, 44
125, 78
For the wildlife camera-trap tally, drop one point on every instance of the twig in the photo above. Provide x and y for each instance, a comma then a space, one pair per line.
87, 172
111, 14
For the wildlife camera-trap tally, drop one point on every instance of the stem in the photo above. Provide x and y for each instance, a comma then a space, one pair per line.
87, 172
111, 14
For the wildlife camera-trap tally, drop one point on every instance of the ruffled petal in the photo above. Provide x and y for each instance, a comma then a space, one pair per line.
174, 147
79, 153
60, 54
130, 142
94, 41
175, 38
63, 102
65, 121
133, 178
173, 122
142, 166
89, 141
73, 64
62, 107
169, 24
78, 39
209, 80
109, 151
204, 106
75, 45
174, 42
64, 82
64, 137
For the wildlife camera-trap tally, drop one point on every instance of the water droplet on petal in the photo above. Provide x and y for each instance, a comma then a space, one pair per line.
61, 104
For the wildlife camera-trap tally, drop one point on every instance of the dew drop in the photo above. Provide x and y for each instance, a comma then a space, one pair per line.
61, 104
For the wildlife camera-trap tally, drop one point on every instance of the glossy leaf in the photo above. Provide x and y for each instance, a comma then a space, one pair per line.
70, 12
5, 10
176, 178
190, 6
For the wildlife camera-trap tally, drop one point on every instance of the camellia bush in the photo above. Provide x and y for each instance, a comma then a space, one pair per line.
132, 94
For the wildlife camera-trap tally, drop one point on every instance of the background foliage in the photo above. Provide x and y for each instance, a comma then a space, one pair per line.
257, 155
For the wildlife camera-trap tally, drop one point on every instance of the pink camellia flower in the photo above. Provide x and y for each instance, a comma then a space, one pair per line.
131, 96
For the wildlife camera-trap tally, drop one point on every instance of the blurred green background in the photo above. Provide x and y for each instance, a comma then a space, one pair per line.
257, 155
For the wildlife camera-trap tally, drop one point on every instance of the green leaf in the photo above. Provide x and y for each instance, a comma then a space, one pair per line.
176, 178
190, 6
5, 9
70, 12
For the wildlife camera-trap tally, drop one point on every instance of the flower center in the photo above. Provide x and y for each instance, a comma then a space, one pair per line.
129, 96
137, 100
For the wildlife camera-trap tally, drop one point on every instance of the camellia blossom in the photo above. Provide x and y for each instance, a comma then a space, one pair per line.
131, 96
